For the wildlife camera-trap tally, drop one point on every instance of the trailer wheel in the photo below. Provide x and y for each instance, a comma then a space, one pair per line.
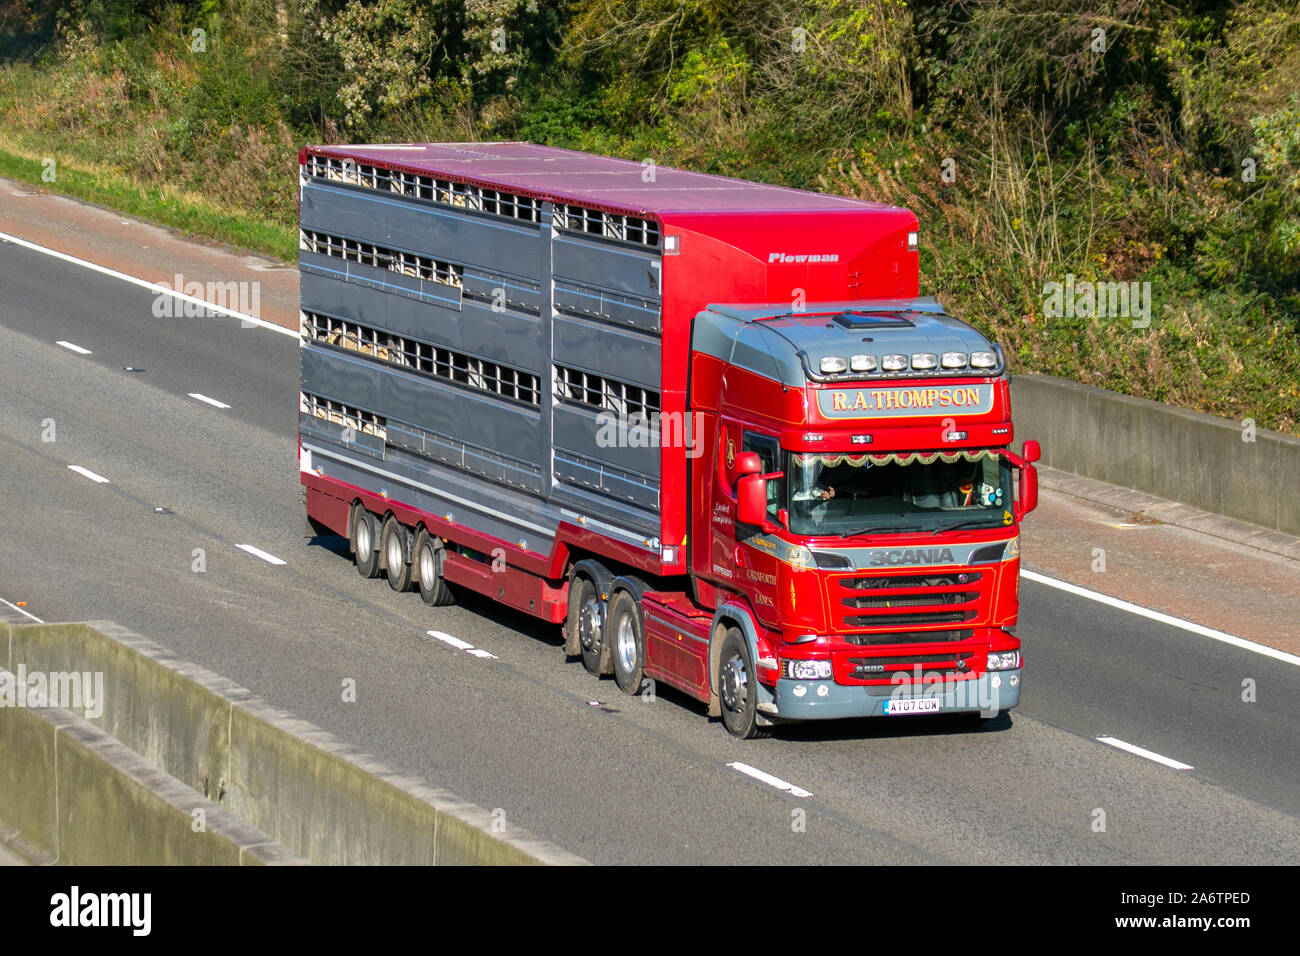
433, 587
738, 688
592, 643
365, 542
393, 543
627, 642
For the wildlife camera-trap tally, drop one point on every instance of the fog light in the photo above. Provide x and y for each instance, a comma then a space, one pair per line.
823, 690
800, 690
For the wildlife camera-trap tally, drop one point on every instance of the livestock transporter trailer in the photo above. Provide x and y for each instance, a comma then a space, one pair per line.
707, 425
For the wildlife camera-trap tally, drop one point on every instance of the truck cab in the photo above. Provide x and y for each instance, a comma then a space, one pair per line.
864, 508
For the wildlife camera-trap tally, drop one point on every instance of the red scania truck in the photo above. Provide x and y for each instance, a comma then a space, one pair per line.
707, 425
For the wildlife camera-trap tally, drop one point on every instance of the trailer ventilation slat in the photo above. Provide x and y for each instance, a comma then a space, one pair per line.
588, 390
607, 225
368, 254
349, 417
442, 192
422, 358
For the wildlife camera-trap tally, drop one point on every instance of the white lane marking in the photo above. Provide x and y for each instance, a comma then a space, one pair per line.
211, 401
87, 473
1169, 619
259, 553
1148, 754
460, 645
770, 780
151, 286
72, 347
22, 611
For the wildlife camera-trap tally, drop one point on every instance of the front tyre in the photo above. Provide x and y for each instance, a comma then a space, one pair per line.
738, 688
627, 642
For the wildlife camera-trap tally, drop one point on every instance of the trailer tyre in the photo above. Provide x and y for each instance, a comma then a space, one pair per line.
365, 542
396, 561
426, 567
738, 688
627, 642
592, 630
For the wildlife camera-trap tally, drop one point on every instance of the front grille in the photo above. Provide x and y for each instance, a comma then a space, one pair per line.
913, 581
908, 637
912, 600
911, 668
896, 620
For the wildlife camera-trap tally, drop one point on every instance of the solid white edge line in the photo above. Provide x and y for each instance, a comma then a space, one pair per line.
1169, 619
211, 401
259, 553
87, 473
770, 780
1142, 752
22, 611
151, 286
73, 347
479, 652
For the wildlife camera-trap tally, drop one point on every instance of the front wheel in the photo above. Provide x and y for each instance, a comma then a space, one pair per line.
738, 688
627, 642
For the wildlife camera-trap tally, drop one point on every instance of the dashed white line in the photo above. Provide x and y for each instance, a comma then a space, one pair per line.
460, 645
210, 401
259, 553
151, 286
1148, 754
770, 780
21, 610
72, 347
1169, 619
87, 473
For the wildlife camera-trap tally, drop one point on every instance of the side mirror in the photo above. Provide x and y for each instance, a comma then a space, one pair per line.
751, 498
1028, 487
1031, 451
748, 463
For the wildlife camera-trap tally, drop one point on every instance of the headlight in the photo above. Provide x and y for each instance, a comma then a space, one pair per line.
806, 670
983, 360
894, 363
954, 360
1004, 661
832, 364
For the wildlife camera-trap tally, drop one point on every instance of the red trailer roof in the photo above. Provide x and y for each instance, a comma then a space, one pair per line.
553, 174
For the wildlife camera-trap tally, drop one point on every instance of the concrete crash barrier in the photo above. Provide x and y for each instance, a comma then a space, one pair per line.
287, 778
75, 795
1174, 453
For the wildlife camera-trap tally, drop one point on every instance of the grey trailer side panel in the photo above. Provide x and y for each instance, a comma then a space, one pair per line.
625, 355
508, 336
486, 242
384, 280
588, 262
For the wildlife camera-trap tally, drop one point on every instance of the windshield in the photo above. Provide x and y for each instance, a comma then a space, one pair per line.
856, 494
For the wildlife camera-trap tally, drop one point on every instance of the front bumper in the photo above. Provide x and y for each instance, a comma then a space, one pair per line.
979, 695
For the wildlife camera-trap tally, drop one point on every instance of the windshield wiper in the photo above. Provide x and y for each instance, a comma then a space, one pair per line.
967, 524
850, 534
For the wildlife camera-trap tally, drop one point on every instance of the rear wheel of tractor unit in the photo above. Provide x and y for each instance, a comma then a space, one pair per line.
627, 642
592, 642
738, 688
364, 538
392, 542
426, 566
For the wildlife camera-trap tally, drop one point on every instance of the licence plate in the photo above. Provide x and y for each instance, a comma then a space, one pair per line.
912, 705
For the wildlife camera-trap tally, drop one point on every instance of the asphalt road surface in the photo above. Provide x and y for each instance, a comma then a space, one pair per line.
611, 778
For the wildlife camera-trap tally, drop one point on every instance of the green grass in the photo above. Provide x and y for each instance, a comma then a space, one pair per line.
164, 207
